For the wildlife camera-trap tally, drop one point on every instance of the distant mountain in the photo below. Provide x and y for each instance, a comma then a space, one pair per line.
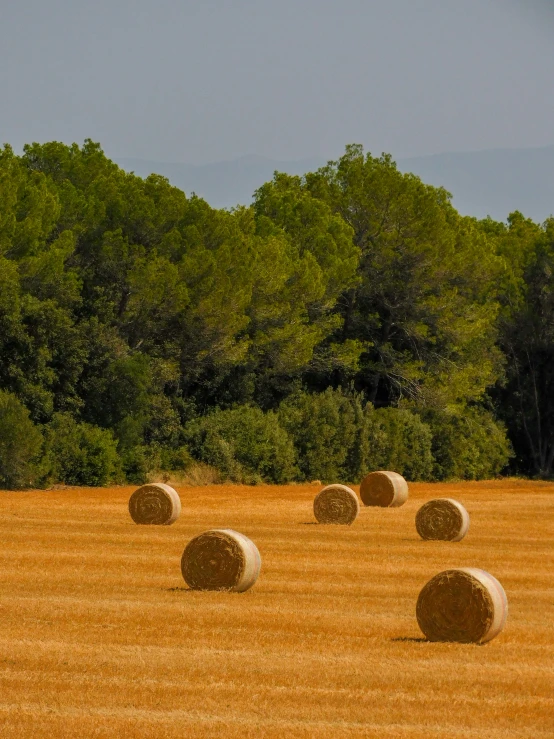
492, 182
222, 184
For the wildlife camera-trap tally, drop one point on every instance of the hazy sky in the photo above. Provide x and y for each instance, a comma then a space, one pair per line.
203, 80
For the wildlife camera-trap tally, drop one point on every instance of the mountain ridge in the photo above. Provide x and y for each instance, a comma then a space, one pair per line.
491, 182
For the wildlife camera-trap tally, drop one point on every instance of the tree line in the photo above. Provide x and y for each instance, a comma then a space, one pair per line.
346, 320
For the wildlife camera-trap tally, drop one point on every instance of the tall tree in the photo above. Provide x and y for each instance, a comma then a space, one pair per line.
527, 337
424, 310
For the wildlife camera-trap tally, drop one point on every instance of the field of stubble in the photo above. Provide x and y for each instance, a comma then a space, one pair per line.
99, 636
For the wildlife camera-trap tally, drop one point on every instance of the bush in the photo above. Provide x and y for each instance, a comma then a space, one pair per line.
138, 461
399, 441
176, 459
20, 444
244, 444
328, 434
469, 445
81, 454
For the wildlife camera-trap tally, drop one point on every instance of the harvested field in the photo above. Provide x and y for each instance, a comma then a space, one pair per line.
100, 637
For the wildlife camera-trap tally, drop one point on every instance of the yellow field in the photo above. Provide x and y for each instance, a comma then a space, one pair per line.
99, 636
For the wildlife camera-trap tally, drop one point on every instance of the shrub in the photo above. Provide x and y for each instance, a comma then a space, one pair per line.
176, 459
468, 445
372, 444
81, 454
163, 426
400, 441
244, 444
20, 444
327, 431
137, 462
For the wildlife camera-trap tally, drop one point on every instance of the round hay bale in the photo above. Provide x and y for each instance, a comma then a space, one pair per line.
464, 605
384, 489
442, 519
336, 504
221, 559
155, 503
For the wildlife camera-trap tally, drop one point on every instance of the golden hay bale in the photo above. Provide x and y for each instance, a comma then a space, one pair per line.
442, 519
385, 489
463, 605
221, 559
155, 503
336, 504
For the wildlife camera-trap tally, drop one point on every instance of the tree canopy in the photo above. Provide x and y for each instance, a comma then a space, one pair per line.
131, 315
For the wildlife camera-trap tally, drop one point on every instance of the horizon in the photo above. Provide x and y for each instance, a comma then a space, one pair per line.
253, 155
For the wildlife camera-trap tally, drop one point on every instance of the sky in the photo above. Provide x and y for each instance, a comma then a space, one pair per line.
199, 82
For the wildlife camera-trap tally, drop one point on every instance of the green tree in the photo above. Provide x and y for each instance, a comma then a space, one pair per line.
20, 444
468, 445
325, 429
424, 311
131, 308
306, 260
527, 337
406, 447
244, 444
80, 454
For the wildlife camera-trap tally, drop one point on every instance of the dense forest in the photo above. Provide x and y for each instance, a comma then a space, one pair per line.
347, 320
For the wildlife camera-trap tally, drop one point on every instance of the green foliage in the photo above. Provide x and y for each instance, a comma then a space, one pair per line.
423, 313
244, 444
133, 309
325, 428
179, 459
526, 402
400, 441
80, 454
139, 460
468, 446
20, 444
309, 225
338, 438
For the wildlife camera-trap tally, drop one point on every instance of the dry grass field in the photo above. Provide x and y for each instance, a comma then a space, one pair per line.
99, 636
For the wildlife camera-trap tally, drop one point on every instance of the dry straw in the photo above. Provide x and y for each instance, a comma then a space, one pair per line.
155, 503
385, 489
336, 504
221, 559
442, 519
462, 605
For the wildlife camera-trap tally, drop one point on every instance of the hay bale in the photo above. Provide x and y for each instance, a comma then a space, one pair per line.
442, 519
155, 503
464, 605
336, 504
221, 559
384, 489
